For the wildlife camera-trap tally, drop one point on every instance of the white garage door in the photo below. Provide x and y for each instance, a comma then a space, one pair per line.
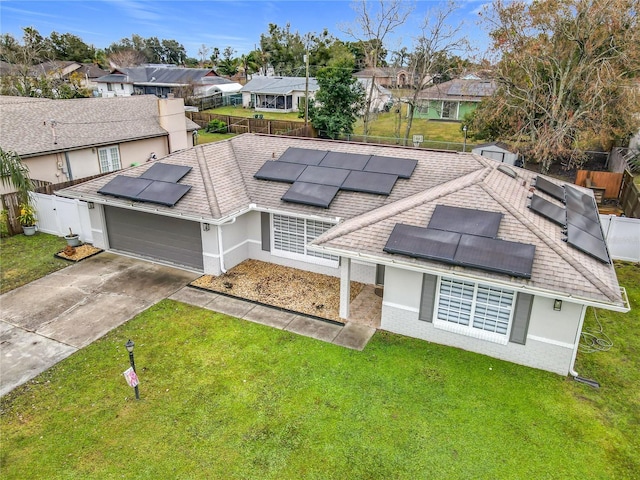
166, 239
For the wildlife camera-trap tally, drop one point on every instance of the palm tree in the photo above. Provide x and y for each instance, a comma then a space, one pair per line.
16, 174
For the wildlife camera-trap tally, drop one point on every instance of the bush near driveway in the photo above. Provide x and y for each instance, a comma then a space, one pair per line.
226, 398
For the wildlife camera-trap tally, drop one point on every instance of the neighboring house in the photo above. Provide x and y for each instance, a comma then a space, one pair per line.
85, 73
389, 77
159, 80
62, 140
381, 99
452, 100
462, 258
500, 152
281, 94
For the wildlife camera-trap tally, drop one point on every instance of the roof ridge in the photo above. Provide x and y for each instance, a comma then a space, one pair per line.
382, 213
235, 159
208, 184
596, 282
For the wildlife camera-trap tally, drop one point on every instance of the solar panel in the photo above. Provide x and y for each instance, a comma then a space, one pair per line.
310, 194
303, 156
585, 224
126, 187
163, 193
581, 204
280, 171
166, 172
422, 242
352, 161
587, 243
324, 176
492, 254
465, 220
548, 210
556, 191
368, 182
403, 167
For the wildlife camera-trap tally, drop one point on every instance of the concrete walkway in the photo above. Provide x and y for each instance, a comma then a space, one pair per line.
51, 318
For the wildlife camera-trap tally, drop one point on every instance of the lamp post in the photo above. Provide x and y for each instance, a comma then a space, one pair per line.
129, 346
464, 145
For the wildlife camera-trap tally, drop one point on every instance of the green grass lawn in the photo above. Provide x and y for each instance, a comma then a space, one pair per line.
250, 112
24, 259
206, 137
225, 398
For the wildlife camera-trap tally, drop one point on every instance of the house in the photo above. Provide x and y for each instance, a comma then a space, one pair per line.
62, 140
85, 74
389, 77
500, 152
159, 80
381, 97
464, 256
281, 94
452, 100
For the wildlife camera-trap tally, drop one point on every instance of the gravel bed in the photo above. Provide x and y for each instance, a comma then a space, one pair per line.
283, 287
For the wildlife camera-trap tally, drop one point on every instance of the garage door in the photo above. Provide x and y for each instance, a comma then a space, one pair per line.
165, 239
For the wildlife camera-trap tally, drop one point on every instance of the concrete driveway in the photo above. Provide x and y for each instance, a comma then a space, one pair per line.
51, 318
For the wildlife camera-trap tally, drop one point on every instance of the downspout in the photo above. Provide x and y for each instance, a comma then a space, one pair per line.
220, 247
68, 161
576, 376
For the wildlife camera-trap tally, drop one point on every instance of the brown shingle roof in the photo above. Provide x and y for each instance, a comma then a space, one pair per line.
223, 185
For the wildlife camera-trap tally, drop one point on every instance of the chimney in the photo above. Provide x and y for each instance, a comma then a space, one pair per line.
173, 120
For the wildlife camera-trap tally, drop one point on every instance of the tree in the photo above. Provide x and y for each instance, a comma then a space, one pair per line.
203, 53
338, 101
126, 58
70, 47
14, 173
563, 76
228, 65
372, 28
437, 40
285, 49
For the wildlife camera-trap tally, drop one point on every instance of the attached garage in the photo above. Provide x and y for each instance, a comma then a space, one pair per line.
165, 239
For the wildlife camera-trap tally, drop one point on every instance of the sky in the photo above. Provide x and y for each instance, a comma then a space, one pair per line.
214, 23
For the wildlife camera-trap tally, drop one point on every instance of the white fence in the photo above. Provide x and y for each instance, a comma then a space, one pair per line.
56, 215
622, 235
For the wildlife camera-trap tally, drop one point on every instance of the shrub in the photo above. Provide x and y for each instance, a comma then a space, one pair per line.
216, 126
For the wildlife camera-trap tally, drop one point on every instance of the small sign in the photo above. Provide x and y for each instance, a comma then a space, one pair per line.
131, 377
418, 139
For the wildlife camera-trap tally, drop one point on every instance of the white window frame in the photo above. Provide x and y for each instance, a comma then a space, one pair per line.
110, 163
456, 109
305, 235
474, 308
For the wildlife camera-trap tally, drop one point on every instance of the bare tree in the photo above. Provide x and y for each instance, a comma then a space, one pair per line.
203, 52
437, 39
372, 27
126, 58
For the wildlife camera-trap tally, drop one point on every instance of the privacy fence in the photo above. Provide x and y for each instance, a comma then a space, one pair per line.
240, 125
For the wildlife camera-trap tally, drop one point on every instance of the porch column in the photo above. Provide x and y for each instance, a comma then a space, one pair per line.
345, 287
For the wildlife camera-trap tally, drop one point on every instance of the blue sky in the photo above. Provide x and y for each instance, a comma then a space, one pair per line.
215, 23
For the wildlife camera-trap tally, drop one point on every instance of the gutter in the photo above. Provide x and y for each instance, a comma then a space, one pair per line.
219, 228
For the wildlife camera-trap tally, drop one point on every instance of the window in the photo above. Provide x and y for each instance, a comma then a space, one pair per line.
474, 309
291, 236
109, 159
449, 110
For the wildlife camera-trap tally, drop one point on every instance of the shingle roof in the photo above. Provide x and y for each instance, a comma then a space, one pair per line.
157, 75
459, 89
26, 125
278, 85
223, 185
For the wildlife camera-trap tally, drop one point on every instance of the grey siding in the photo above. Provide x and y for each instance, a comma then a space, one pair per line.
429, 283
265, 226
521, 316
166, 239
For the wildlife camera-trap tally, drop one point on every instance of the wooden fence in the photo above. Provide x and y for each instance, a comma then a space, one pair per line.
610, 182
630, 196
240, 125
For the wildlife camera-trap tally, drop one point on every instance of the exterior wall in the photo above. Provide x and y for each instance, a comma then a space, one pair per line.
174, 121
98, 227
139, 151
45, 167
118, 91
435, 108
550, 338
496, 153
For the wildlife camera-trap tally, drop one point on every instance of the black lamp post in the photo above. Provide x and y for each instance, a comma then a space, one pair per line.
129, 346
464, 146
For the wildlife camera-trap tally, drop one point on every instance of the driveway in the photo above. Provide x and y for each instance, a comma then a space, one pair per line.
47, 320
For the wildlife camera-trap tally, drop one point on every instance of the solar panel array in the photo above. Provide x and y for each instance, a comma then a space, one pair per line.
579, 217
465, 237
318, 175
157, 185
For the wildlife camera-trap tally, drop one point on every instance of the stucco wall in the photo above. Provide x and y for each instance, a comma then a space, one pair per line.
550, 338
138, 151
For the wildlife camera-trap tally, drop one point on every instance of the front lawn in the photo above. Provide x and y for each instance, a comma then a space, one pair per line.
239, 111
226, 398
25, 259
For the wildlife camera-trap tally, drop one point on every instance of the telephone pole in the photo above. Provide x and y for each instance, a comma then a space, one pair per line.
306, 92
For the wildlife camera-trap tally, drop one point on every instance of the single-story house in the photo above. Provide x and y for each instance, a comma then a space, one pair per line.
159, 80
470, 252
390, 77
452, 100
61, 140
381, 97
87, 73
500, 152
281, 94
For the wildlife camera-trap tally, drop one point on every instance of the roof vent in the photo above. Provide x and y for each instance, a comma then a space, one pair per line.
507, 171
